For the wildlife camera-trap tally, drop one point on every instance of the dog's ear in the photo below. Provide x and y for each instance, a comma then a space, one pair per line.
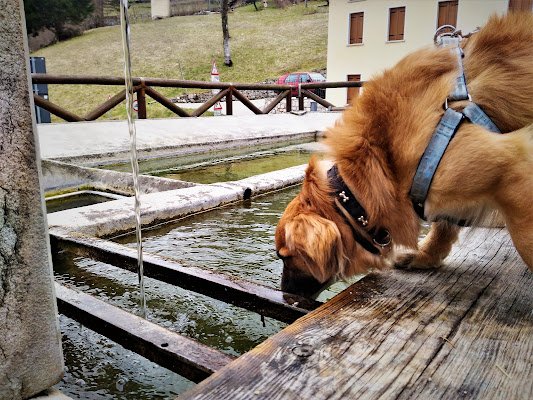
318, 242
315, 192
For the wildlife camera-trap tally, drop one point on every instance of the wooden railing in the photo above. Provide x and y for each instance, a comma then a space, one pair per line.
145, 87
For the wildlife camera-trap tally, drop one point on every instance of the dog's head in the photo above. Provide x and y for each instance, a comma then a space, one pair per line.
314, 241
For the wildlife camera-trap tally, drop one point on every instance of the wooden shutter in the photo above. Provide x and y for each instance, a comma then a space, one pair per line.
448, 13
396, 23
356, 27
353, 92
520, 5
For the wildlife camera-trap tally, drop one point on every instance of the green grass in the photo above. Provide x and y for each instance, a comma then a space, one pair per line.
264, 45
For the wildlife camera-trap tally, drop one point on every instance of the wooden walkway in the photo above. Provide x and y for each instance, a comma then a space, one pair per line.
462, 331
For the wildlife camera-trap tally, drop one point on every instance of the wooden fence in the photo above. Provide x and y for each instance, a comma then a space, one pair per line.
145, 87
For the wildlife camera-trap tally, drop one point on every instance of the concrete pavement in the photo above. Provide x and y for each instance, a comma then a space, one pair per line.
88, 143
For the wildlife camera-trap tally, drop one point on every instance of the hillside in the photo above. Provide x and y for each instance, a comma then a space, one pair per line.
264, 45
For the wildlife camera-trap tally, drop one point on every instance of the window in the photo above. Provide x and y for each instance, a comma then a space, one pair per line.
447, 13
396, 23
304, 78
356, 28
291, 78
520, 5
316, 77
353, 92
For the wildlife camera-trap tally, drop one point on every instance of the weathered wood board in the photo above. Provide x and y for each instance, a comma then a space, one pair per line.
464, 330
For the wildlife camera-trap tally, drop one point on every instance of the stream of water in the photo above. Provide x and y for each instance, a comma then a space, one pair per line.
125, 28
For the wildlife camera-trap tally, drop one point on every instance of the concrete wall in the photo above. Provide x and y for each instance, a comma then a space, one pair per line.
30, 348
376, 52
60, 177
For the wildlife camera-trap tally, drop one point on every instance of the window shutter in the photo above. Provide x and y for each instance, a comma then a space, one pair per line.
401, 23
396, 23
520, 5
448, 13
393, 24
356, 28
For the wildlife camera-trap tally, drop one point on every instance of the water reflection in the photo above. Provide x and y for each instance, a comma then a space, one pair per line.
223, 166
230, 329
239, 168
98, 368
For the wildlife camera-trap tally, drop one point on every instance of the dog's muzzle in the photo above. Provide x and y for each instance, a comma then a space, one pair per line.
297, 282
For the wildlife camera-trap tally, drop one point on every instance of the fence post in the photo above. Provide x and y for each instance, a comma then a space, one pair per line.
288, 106
229, 101
141, 101
300, 101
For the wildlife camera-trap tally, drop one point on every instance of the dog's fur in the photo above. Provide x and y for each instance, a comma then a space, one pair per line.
378, 143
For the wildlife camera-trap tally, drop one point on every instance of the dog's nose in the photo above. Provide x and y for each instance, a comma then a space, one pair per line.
296, 282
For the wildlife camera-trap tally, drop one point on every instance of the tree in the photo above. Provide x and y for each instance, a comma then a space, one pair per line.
225, 34
56, 15
252, 1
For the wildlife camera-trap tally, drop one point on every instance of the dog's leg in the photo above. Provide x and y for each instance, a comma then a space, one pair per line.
514, 194
516, 205
521, 231
433, 249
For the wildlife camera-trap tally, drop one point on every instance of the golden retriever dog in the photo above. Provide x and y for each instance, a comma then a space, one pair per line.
377, 145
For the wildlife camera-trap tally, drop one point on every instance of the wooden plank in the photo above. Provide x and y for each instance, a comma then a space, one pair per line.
247, 102
276, 101
253, 296
316, 98
105, 107
55, 109
63, 79
490, 354
185, 356
166, 102
440, 334
209, 103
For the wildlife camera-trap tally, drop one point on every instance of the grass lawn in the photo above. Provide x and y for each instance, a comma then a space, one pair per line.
264, 44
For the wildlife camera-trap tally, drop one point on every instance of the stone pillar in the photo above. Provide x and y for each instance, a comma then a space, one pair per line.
160, 9
30, 343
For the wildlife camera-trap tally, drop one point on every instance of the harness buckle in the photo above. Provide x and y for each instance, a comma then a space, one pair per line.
443, 38
446, 101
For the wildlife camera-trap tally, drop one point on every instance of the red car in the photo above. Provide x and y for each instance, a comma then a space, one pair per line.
295, 78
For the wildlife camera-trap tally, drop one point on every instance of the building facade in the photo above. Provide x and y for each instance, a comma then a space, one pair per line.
367, 36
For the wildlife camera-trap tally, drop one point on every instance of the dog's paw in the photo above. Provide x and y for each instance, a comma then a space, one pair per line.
414, 261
